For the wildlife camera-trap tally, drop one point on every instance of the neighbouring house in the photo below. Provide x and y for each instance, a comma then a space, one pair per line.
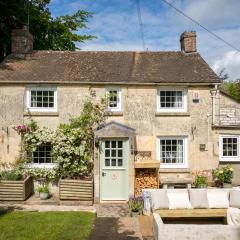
167, 114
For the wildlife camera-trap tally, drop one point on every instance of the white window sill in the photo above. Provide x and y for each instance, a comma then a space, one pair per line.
172, 114
42, 165
229, 160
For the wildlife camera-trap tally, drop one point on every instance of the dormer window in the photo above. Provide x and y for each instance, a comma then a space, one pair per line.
171, 100
42, 99
114, 99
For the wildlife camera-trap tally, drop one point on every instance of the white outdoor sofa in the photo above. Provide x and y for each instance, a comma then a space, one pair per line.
194, 204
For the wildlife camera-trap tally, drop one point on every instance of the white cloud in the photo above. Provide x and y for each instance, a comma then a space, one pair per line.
214, 13
230, 61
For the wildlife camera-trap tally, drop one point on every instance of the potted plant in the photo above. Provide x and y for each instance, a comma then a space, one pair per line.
136, 206
224, 176
43, 191
201, 181
15, 186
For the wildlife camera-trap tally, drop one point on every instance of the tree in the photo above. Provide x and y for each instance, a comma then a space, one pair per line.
49, 33
230, 87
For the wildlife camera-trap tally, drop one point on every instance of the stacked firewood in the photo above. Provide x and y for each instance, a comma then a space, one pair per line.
145, 178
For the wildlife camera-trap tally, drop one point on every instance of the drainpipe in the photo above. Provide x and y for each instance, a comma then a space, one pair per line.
213, 96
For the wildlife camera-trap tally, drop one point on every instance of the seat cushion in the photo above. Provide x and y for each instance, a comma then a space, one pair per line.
178, 199
159, 199
217, 198
234, 198
198, 198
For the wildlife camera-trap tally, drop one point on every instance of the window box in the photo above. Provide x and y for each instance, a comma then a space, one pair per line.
172, 152
71, 189
114, 99
229, 148
171, 100
41, 99
16, 190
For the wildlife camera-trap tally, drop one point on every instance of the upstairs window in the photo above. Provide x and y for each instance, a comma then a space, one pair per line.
114, 99
42, 99
230, 148
42, 156
171, 101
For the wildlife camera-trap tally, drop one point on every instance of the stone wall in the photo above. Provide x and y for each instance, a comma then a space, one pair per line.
138, 112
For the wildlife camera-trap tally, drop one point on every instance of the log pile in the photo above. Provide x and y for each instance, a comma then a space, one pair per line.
145, 178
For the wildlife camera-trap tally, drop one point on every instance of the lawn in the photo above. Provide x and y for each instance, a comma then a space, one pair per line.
46, 225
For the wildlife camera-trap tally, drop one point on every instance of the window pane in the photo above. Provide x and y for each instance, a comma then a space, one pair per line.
230, 147
107, 144
114, 162
107, 153
42, 99
42, 154
171, 99
119, 144
120, 162
107, 162
171, 151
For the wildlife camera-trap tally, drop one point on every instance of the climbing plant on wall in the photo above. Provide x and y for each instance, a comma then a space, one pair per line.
72, 144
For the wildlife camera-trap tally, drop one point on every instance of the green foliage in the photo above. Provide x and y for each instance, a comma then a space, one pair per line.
43, 188
200, 181
11, 175
223, 174
72, 144
49, 33
136, 204
232, 88
39, 174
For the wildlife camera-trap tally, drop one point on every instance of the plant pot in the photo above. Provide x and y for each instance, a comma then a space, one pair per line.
44, 195
134, 214
227, 185
16, 190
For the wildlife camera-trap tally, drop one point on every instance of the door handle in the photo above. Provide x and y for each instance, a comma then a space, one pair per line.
103, 174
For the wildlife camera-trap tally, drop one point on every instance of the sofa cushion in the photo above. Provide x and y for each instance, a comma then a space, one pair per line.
159, 199
198, 198
178, 199
234, 198
217, 198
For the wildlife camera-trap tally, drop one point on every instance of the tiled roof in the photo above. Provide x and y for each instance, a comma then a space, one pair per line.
107, 67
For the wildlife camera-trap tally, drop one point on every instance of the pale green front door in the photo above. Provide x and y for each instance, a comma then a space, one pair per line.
114, 169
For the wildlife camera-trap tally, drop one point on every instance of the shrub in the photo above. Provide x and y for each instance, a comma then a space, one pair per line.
43, 189
136, 204
223, 174
200, 181
11, 175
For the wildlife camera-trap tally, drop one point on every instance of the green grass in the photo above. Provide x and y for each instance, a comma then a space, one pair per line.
46, 225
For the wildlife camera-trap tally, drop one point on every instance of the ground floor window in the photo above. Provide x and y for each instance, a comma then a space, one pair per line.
229, 148
42, 155
172, 152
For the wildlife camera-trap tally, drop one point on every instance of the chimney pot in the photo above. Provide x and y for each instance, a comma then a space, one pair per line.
188, 42
22, 41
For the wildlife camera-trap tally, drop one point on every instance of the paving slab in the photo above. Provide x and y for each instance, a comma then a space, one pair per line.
112, 228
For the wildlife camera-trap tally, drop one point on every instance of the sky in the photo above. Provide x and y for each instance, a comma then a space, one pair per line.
115, 24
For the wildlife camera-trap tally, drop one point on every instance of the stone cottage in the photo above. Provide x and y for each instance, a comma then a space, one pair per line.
167, 113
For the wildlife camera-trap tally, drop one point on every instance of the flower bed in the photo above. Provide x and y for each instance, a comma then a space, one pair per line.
18, 190
76, 190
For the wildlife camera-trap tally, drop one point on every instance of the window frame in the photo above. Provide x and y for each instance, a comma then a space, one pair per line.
229, 158
172, 109
119, 98
185, 152
41, 109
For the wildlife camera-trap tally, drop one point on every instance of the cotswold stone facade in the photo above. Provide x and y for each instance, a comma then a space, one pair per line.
168, 108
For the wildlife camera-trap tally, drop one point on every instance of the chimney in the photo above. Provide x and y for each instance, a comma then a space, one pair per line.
188, 42
22, 41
